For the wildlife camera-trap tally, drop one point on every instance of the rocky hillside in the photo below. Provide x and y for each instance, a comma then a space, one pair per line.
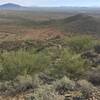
66, 68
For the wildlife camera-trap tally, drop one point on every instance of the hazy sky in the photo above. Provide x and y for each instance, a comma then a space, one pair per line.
54, 2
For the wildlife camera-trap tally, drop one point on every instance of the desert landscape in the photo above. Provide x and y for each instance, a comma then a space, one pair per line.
49, 53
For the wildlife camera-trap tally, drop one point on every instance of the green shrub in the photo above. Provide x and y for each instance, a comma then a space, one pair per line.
69, 64
80, 43
22, 63
63, 85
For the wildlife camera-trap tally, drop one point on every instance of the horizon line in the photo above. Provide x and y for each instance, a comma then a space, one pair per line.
52, 6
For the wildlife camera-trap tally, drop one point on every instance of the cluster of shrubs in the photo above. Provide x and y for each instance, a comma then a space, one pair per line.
63, 58
21, 62
54, 60
61, 89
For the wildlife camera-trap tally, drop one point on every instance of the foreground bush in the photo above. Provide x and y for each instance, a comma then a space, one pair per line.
21, 62
63, 85
69, 64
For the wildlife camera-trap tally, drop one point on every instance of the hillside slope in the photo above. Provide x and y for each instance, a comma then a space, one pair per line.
80, 23
15, 26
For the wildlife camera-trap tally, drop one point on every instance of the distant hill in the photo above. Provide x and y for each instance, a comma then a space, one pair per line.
80, 23
10, 6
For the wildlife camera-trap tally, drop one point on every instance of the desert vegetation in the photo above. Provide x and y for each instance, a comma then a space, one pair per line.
49, 55
57, 68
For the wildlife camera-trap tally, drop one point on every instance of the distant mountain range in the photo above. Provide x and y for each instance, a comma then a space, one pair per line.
11, 6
